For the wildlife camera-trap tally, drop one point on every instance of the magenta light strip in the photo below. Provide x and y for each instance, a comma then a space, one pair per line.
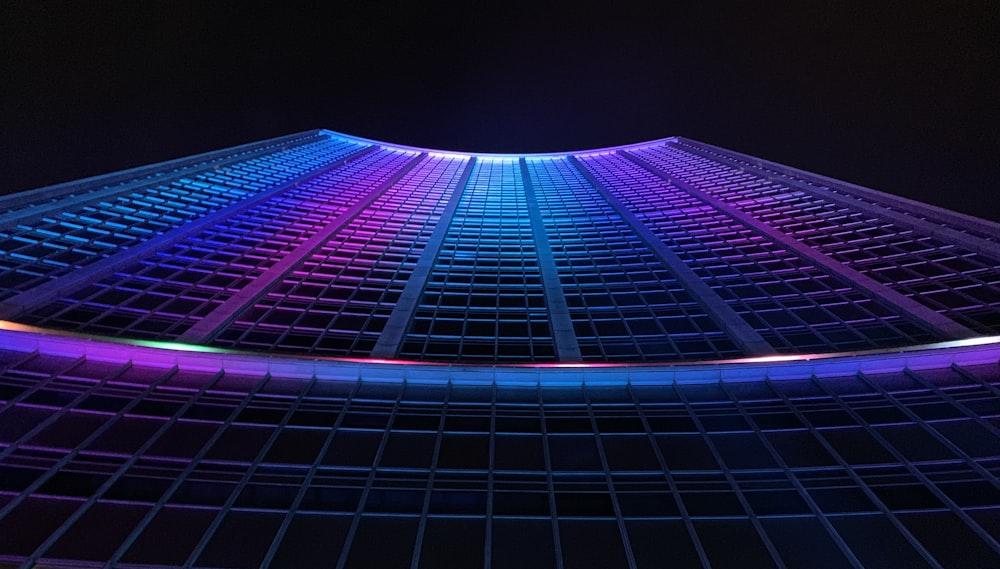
19, 337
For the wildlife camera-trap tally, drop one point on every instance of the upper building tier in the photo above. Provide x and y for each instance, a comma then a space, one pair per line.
330, 245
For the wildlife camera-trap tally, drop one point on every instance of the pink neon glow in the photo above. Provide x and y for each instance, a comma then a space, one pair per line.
780, 358
40, 334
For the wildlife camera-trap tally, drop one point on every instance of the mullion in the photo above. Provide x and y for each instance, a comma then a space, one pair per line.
188, 469
982, 533
609, 480
247, 475
356, 521
728, 474
490, 478
803, 493
114, 477
669, 477
313, 469
72, 454
36, 386
549, 479
65, 409
425, 507
945, 441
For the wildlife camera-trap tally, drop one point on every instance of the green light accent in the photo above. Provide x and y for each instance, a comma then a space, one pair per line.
178, 346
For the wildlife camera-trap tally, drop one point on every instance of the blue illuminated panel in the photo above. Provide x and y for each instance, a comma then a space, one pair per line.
484, 300
77, 236
162, 296
624, 303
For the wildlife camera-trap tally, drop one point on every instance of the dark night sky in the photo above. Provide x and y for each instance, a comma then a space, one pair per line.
901, 98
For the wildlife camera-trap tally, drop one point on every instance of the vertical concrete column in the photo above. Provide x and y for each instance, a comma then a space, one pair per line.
742, 334
48, 292
903, 305
208, 327
563, 336
391, 339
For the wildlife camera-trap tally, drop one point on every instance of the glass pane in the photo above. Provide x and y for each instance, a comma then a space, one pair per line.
383, 541
453, 543
100, 531
661, 543
242, 540
522, 544
592, 543
170, 536
802, 542
312, 540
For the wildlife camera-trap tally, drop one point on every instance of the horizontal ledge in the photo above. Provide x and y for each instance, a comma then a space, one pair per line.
23, 338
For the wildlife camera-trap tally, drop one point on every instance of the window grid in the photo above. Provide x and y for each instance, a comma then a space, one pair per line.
484, 299
801, 180
164, 295
793, 304
620, 457
961, 284
624, 303
33, 252
87, 189
338, 300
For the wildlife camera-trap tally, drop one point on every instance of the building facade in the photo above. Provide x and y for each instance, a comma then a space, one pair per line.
325, 351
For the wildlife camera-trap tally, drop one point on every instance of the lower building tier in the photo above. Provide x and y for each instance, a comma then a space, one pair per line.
116, 453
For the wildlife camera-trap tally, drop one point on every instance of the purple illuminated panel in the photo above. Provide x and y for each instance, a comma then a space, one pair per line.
28, 339
625, 304
792, 303
337, 301
916, 262
655, 252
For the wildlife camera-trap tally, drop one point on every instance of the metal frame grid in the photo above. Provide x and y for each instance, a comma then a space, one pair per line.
129, 455
484, 299
624, 302
504, 276
944, 276
338, 300
795, 305
162, 296
970, 230
120, 462
81, 232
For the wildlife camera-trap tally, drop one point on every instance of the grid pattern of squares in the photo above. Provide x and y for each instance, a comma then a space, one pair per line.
33, 252
624, 303
158, 171
121, 462
794, 305
961, 284
164, 295
484, 299
339, 299
815, 182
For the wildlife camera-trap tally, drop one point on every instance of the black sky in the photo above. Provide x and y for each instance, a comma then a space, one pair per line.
901, 97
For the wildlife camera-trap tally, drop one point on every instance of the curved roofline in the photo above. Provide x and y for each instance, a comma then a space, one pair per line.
449, 367
441, 151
